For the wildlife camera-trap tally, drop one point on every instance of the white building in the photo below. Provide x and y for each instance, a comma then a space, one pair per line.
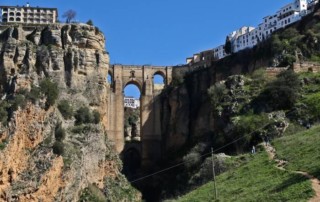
27, 14
219, 52
242, 38
292, 12
247, 37
131, 102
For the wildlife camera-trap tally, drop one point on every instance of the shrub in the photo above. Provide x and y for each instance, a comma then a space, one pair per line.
96, 117
66, 109
34, 94
281, 94
312, 101
81, 129
192, 159
58, 148
59, 133
92, 193
51, 91
89, 22
3, 112
18, 101
83, 116
216, 93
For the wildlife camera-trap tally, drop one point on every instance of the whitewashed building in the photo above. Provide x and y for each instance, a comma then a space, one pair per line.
292, 12
248, 37
242, 38
28, 14
131, 102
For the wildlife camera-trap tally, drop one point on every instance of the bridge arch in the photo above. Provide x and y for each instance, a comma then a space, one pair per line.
150, 105
132, 160
135, 82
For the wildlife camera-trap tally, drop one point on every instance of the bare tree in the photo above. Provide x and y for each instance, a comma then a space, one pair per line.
69, 15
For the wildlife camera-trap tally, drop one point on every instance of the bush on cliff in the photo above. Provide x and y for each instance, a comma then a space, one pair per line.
66, 109
59, 132
3, 112
84, 116
280, 94
58, 148
50, 90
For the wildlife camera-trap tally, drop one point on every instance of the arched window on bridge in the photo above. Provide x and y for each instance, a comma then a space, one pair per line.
132, 113
158, 81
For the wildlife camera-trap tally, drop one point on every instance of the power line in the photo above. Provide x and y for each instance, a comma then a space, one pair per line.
183, 162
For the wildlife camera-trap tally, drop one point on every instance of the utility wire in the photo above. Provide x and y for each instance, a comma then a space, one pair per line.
183, 162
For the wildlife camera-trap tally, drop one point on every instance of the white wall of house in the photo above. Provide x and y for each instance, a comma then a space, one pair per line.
247, 37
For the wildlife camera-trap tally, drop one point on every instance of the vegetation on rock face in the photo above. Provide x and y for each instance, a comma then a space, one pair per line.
114, 192
83, 116
280, 94
50, 90
59, 133
58, 148
3, 112
66, 109
92, 194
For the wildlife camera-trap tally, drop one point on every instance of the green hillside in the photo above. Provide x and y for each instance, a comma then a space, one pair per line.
257, 180
301, 150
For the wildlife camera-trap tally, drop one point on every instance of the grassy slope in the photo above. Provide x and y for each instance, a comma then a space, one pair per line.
302, 150
257, 180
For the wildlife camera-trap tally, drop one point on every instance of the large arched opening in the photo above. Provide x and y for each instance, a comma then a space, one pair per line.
131, 155
132, 112
131, 159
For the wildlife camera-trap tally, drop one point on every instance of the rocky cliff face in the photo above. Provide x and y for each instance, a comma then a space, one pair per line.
187, 111
73, 57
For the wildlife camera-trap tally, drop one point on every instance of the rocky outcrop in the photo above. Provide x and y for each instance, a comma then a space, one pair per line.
73, 57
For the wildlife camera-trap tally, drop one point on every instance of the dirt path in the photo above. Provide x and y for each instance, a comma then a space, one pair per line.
281, 165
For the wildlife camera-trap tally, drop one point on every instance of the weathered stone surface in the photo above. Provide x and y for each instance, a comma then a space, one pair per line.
74, 57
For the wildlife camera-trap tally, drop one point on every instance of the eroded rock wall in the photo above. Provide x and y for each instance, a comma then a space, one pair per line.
73, 56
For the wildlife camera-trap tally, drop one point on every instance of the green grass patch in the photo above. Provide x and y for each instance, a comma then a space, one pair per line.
301, 150
258, 180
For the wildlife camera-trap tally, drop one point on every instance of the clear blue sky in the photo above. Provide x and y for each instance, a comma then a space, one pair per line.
163, 32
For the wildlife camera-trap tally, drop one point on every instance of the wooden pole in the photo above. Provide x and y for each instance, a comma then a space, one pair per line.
214, 176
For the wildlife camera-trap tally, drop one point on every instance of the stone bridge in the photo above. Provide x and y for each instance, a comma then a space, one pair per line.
149, 148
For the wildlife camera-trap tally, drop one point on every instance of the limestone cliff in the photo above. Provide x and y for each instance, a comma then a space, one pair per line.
73, 58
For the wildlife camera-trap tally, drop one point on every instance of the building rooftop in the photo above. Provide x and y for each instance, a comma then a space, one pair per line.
29, 7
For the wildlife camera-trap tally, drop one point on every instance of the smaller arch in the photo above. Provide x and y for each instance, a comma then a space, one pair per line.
18, 14
18, 19
110, 78
160, 73
11, 19
159, 81
11, 14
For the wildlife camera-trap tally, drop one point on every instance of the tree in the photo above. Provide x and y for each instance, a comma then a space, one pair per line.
90, 22
227, 46
69, 15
